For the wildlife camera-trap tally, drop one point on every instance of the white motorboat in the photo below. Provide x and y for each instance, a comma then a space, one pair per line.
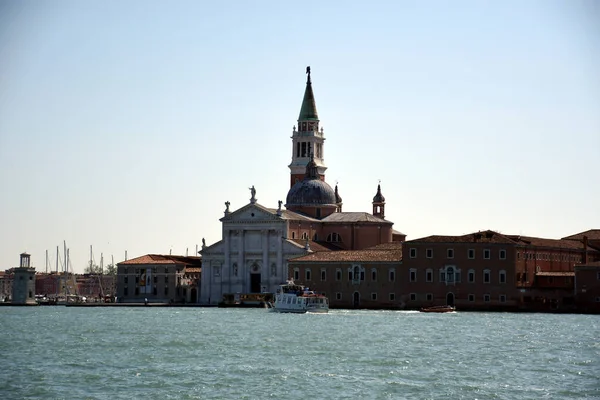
293, 298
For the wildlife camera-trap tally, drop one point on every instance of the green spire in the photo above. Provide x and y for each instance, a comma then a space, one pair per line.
309, 108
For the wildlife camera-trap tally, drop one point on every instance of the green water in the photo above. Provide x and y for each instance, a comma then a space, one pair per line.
210, 353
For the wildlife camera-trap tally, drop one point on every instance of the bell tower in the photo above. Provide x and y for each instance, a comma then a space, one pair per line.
307, 138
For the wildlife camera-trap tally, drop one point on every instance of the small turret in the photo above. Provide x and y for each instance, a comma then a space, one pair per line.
379, 204
338, 199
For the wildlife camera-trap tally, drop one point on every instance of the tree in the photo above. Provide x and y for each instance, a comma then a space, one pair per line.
91, 269
110, 269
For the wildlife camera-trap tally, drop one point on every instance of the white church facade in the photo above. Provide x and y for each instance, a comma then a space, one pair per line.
252, 255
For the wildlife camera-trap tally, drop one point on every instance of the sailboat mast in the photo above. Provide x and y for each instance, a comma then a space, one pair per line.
65, 255
91, 260
57, 276
46, 261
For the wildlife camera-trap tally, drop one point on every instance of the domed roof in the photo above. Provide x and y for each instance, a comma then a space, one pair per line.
311, 191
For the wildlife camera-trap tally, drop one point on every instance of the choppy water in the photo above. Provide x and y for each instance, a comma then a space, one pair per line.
209, 353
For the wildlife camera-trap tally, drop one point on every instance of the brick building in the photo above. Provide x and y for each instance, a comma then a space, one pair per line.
587, 287
159, 279
488, 270
353, 278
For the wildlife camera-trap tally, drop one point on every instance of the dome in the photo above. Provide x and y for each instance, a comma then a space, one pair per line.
311, 192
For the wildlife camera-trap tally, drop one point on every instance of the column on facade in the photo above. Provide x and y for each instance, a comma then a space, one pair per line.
241, 264
227, 261
266, 269
282, 275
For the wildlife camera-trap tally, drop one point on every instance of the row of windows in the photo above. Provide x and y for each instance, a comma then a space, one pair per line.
155, 270
451, 275
487, 253
446, 275
429, 297
550, 256
470, 297
303, 148
137, 279
137, 291
332, 237
356, 274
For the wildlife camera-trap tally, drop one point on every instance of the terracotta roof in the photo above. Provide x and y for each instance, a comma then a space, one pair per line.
541, 242
498, 238
555, 274
387, 246
163, 259
476, 237
353, 217
592, 234
351, 256
316, 246
294, 216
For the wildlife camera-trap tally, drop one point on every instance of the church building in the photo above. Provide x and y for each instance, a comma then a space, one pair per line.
257, 241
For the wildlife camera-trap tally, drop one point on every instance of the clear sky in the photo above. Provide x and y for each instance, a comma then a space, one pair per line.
126, 125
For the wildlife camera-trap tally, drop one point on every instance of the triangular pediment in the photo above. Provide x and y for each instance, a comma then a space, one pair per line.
218, 247
251, 213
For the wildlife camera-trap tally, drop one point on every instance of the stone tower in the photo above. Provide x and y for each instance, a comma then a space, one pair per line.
307, 139
24, 282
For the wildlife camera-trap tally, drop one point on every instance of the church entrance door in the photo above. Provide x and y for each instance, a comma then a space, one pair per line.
254, 283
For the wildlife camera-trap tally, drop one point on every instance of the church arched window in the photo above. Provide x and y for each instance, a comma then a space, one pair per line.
334, 237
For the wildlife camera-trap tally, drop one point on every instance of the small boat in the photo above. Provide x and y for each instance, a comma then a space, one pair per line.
293, 298
438, 309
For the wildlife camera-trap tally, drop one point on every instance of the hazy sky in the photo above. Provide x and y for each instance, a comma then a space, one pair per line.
126, 125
